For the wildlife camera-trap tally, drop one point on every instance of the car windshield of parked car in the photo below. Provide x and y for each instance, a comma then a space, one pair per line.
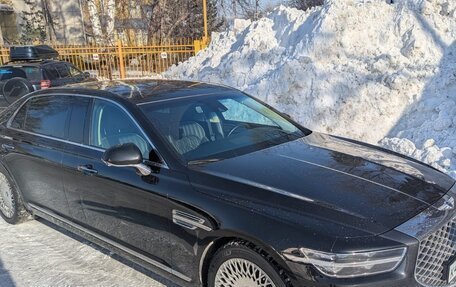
213, 127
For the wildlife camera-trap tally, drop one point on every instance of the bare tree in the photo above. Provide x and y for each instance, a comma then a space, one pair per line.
109, 19
2, 42
94, 16
147, 21
5, 13
102, 14
247, 9
177, 18
231, 8
50, 23
305, 4
34, 25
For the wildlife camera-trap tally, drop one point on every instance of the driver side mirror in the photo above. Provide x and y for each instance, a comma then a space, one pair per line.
126, 155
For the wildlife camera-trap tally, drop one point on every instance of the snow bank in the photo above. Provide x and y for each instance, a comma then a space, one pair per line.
360, 69
429, 152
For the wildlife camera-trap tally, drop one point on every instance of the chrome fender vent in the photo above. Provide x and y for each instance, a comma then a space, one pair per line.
189, 221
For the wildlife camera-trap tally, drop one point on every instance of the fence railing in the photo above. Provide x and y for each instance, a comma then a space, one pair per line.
120, 61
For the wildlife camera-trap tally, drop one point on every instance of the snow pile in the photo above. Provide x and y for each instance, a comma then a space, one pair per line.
360, 69
429, 153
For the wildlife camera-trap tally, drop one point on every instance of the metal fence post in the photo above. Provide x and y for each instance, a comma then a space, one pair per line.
204, 43
205, 20
4, 55
197, 46
121, 59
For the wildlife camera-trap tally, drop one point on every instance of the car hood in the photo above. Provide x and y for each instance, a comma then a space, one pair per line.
345, 182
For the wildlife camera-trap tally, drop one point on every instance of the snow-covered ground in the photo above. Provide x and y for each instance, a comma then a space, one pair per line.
379, 72
39, 254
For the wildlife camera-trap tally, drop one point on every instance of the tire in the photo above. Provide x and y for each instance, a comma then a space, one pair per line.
15, 88
12, 209
238, 265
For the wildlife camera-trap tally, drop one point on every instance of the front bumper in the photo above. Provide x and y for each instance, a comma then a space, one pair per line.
431, 241
435, 229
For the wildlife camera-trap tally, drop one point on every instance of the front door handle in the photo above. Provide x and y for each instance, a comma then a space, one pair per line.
7, 147
87, 169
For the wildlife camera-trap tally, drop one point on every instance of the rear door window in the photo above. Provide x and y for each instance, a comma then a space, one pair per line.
47, 116
8, 73
51, 72
62, 69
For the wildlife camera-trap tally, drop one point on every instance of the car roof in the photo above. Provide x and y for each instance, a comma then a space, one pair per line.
140, 90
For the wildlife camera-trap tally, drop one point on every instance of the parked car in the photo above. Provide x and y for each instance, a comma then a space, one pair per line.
210, 187
33, 68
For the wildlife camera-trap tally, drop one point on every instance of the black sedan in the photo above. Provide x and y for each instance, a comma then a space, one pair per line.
210, 187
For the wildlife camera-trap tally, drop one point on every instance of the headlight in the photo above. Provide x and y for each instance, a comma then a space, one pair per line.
346, 265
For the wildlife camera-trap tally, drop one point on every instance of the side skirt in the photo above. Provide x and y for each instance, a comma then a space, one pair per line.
52, 217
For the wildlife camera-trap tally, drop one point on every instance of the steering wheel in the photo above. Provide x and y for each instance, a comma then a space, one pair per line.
230, 133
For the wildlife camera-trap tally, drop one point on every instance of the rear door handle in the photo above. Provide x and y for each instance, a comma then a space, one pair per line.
7, 147
87, 169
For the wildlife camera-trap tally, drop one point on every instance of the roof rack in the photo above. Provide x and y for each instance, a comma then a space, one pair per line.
32, 53
31, 61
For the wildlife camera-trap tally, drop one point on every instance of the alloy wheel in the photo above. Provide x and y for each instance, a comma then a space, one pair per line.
6, 197
239, 272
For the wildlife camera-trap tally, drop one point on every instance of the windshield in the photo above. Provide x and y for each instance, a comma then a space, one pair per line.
213, 127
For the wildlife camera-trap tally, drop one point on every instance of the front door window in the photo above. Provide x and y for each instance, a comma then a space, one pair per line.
112, 126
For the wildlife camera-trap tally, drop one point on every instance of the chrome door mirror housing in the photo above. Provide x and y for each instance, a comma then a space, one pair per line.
126, 155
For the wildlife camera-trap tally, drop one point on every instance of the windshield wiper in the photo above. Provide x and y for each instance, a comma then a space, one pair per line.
203, 161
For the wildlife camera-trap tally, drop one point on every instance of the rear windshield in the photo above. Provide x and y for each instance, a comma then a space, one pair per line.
30, 73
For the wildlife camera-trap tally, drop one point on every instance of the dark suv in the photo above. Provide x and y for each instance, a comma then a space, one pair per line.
32, 68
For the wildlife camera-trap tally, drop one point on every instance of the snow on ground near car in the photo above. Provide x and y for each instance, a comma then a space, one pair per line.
32, 254
369, 70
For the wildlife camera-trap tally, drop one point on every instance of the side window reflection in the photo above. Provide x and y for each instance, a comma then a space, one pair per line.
112, 126
47, 116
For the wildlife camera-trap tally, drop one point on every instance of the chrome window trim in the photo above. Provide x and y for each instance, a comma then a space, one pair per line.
8, 125
157, 264
57, 139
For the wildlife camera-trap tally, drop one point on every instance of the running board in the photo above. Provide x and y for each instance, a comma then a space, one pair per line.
44, 213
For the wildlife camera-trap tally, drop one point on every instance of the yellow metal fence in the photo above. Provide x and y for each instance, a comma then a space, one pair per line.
122, 61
